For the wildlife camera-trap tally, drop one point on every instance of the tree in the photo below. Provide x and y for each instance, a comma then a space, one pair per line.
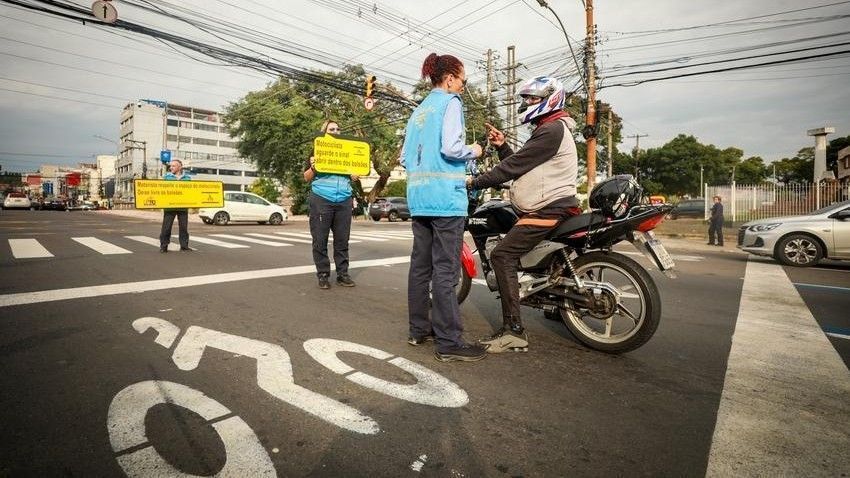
267, 189
751, 171
276, 126
799, 169
674, 168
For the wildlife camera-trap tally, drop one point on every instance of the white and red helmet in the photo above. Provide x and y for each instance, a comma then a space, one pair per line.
552, 92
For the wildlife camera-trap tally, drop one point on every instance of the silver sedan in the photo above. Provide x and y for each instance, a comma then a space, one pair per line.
800, 241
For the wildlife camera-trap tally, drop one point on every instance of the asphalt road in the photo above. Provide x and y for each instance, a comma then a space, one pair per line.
231, 360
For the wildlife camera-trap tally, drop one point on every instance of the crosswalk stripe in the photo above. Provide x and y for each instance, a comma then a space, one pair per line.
388, 233
28, 249
289, 239
308, 236
100, 246
367, 238
251, 240
216, 242
152, 241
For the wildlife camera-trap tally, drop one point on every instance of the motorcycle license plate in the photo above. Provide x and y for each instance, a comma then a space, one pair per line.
658, 252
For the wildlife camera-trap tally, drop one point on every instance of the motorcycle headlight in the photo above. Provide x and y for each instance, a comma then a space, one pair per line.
764, 227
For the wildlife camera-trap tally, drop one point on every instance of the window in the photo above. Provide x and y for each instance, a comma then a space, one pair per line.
237, 197
171, 137
201, 170
251, 174
206, 142
256, 200
185, 139
227, 144
171, 122
229, 172
206, 127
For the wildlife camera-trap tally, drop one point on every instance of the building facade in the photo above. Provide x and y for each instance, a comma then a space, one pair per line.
195, 136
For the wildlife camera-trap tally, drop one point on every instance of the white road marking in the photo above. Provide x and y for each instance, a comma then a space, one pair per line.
153, 242
676, 257
838, 336
365, 238
818, 286
801, 387
419, 463
278, 238
251, 240
23, 298
306, 235
274, 375
216, 242
244, 454
100, 246
28, 249
430, 388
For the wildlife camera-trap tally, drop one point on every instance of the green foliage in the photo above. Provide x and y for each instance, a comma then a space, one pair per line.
799, 169
751, 171
832, 150
267, 189
396, 189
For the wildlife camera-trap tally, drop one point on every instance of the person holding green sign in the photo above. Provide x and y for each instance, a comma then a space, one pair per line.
330, 211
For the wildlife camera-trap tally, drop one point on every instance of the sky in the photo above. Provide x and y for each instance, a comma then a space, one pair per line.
63, 83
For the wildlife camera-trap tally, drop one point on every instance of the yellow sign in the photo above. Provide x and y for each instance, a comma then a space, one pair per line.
159, 193
341, 156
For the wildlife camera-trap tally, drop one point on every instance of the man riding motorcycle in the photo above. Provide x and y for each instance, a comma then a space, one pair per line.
543, 194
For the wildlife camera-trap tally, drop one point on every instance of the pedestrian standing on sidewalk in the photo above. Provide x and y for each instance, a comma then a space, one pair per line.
715, 223
330, 211
175, 173
435, 154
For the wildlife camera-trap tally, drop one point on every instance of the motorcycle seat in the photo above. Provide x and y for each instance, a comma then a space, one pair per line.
582, 222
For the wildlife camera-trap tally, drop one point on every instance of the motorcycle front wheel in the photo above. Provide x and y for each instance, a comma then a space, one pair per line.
613, 327
464, 283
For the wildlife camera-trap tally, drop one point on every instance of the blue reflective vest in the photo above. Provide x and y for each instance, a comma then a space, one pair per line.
333, 187
436, 185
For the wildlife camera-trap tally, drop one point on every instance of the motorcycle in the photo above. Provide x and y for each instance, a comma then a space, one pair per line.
608, 301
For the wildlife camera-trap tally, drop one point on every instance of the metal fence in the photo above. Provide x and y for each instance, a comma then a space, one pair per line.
748, 202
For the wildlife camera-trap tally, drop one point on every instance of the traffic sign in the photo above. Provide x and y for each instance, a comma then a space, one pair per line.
104, 11
165, 156
369, 103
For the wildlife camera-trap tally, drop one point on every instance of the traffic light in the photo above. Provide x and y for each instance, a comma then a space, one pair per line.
370, 85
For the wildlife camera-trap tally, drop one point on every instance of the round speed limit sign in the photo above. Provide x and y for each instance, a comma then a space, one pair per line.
369, 103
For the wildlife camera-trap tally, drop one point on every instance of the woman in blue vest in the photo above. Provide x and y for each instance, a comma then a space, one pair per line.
435, 154
330, 210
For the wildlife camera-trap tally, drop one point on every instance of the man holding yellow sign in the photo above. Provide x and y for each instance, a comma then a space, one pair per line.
175, 173
334, 164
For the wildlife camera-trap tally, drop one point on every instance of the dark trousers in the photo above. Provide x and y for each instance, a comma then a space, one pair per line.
435, 268
182, 224
327, 216
505, 261
715, 227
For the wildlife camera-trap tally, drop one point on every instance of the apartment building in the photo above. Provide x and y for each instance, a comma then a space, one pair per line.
196, 136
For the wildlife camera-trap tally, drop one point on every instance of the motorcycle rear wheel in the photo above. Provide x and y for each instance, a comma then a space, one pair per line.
633, 322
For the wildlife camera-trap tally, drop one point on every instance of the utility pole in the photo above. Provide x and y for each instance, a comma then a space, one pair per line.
637, 138
610, 144
511, 129
590, 118
489, 75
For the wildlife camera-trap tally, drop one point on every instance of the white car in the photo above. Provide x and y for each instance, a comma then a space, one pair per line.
242, 206
17, 201
800, 241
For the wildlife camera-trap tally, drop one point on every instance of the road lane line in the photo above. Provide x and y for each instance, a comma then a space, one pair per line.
252, 240
23, 298
838, 336
100, 246
783, 409
306, 235
365, 238
28, 249
818, 286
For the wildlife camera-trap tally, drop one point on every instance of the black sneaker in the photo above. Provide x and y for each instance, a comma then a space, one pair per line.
186, 249
163, 250
420, 340
463, 353
345, 280
324, 283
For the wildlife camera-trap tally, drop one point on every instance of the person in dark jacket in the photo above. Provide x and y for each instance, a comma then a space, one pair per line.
543, 193
715, 223
330, 210
175, 173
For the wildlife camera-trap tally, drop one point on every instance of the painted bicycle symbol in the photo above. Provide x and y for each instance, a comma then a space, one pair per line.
245, 454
